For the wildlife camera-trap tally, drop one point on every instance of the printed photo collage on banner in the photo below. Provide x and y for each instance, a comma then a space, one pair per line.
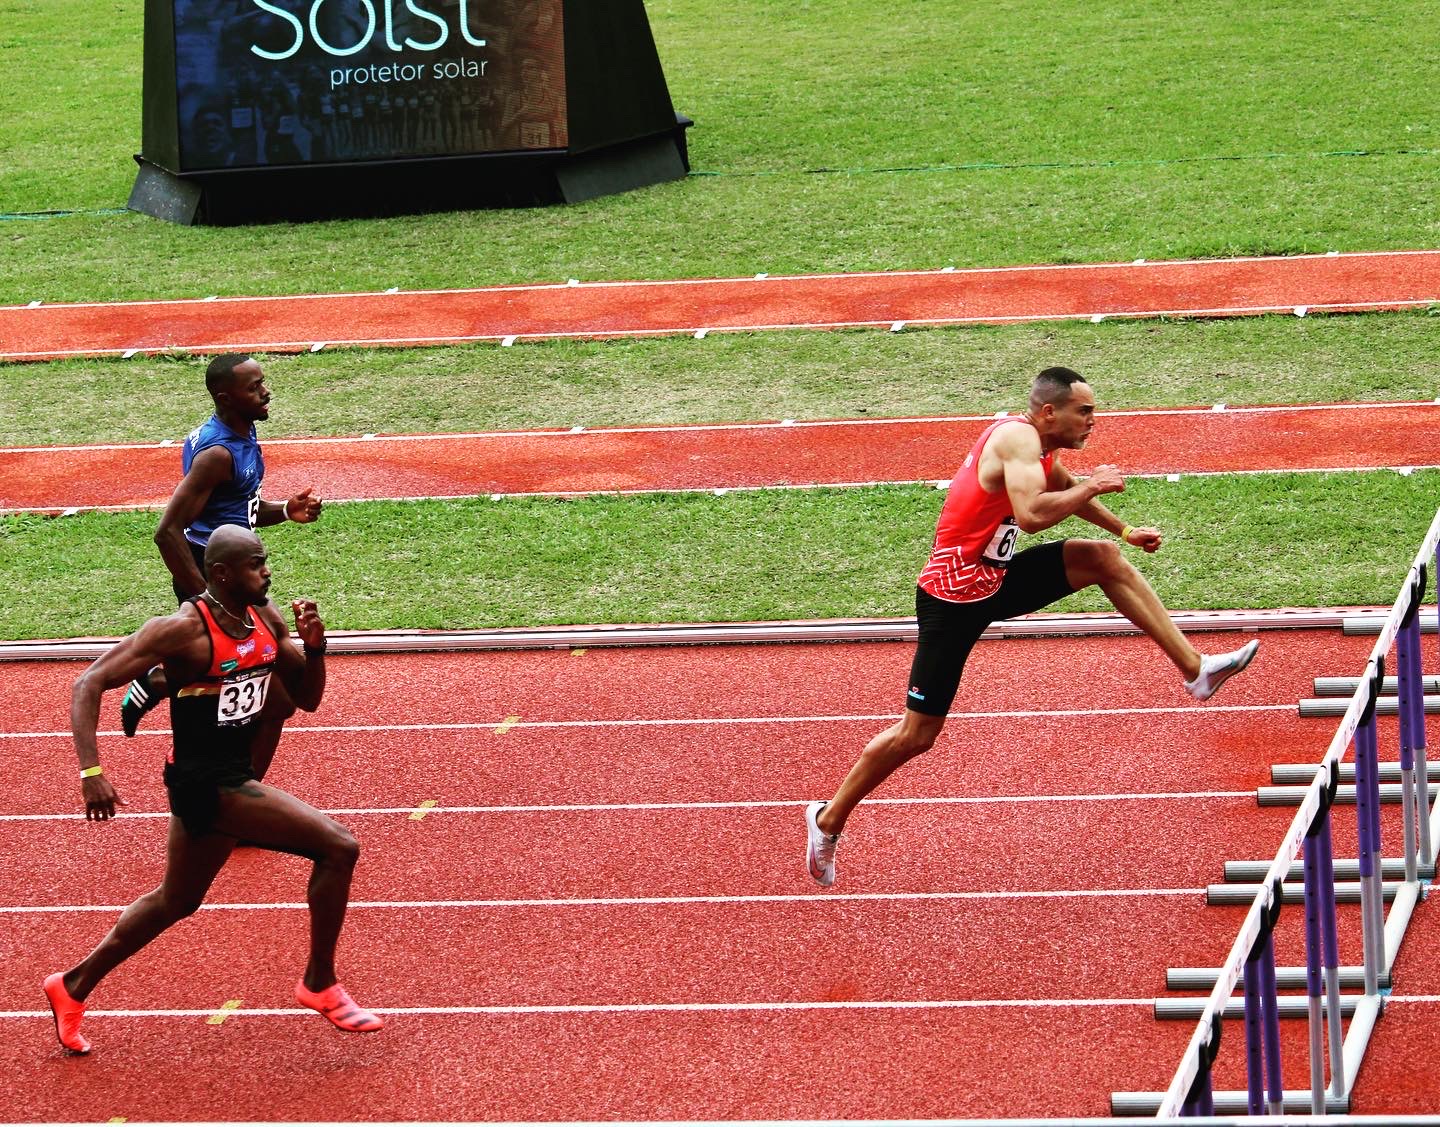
283, 82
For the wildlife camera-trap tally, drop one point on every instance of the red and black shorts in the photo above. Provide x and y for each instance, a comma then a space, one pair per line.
1035, 578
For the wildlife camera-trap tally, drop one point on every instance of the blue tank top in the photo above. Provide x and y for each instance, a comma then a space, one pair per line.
236, 501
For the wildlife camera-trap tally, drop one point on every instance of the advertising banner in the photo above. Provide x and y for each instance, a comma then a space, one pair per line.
293, 82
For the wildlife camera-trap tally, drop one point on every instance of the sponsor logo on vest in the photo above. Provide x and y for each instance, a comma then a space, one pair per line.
229, 666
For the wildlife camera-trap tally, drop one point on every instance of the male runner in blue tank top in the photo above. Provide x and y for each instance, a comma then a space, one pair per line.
222, 651
223, 469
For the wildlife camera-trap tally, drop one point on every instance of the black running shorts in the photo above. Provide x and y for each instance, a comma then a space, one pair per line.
195, 794
949, 631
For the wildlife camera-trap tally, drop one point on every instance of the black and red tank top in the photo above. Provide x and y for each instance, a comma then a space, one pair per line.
213, 718
976, 534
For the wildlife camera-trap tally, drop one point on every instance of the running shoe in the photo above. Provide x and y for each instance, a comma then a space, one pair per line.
820, 848
1216, 669
138, 701
339, 1007
67, 1013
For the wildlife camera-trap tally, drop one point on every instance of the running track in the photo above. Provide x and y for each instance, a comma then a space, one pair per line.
584, 309
51, 479
604, 915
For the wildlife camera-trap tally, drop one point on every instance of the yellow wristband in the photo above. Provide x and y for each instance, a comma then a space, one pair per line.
1125, 533
91, 772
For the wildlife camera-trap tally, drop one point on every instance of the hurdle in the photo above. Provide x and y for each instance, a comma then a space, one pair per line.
1251, 961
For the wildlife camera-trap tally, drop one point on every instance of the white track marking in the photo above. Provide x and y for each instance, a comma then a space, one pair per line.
739, 804
640, 1008
948, 271
153, 506
698, 428
687, 721
618, 332
645, 901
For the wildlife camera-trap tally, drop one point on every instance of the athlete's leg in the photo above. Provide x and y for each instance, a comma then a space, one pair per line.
1100, 563
912, 735
947, 633
270, 727
270, 817
190, 866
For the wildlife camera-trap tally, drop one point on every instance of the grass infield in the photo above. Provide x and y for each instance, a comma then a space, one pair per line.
1272, 540
825, 139
741, 377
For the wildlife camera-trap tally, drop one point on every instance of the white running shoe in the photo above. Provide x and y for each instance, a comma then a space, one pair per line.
820, 848
1216, 669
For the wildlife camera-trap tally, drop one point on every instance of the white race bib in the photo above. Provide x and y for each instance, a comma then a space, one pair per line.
242, 699
1002, 544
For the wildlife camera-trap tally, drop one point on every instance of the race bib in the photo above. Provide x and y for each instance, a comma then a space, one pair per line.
242, 699
1002, 544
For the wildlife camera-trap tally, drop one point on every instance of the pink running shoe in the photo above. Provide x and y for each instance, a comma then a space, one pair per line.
67, 1013
339, 1007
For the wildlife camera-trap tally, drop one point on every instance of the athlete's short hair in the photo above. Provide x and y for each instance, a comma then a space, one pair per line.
1053, 386
221, 372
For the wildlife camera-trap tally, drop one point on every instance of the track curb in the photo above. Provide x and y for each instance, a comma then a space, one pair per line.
733, 633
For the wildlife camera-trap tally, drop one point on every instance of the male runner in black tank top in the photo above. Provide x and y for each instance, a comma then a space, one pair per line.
214, 650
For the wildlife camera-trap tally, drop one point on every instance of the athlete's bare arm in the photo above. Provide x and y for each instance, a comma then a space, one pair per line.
303, 675
1098, 515
210, 468
303, 508
1012, 458
178, 640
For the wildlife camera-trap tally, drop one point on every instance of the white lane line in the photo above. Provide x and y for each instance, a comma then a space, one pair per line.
785, 425
755, 804
649, 901
703, 721
152, 506
620, 331
1149, 266
642, 1007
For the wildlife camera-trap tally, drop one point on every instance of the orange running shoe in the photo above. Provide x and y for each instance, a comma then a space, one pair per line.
339, 1007
67, 1013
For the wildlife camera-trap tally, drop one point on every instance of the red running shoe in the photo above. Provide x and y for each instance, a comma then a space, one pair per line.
339, 1007
67, 1013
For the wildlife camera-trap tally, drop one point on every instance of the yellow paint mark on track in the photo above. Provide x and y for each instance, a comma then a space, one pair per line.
218, 1018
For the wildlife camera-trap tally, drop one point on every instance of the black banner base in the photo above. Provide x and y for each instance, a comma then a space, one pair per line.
305, 193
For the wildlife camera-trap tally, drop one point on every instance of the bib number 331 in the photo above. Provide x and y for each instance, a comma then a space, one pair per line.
241, 700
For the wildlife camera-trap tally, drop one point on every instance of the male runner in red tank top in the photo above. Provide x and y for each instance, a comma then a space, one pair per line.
219, 651
1011, 482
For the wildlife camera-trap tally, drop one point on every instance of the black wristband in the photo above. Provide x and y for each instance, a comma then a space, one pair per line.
316, 651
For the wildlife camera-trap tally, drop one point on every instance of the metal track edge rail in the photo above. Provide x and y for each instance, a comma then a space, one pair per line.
731, 633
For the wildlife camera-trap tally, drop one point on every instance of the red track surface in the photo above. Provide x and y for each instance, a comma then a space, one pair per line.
616, 309
1028, 978
1183, 441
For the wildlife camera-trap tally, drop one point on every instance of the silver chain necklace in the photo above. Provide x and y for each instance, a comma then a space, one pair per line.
214, 602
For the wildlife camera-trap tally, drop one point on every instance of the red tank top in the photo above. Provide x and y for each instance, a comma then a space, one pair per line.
213, 717
976, 535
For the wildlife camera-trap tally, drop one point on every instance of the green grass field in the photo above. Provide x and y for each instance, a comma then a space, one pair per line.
826, 139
